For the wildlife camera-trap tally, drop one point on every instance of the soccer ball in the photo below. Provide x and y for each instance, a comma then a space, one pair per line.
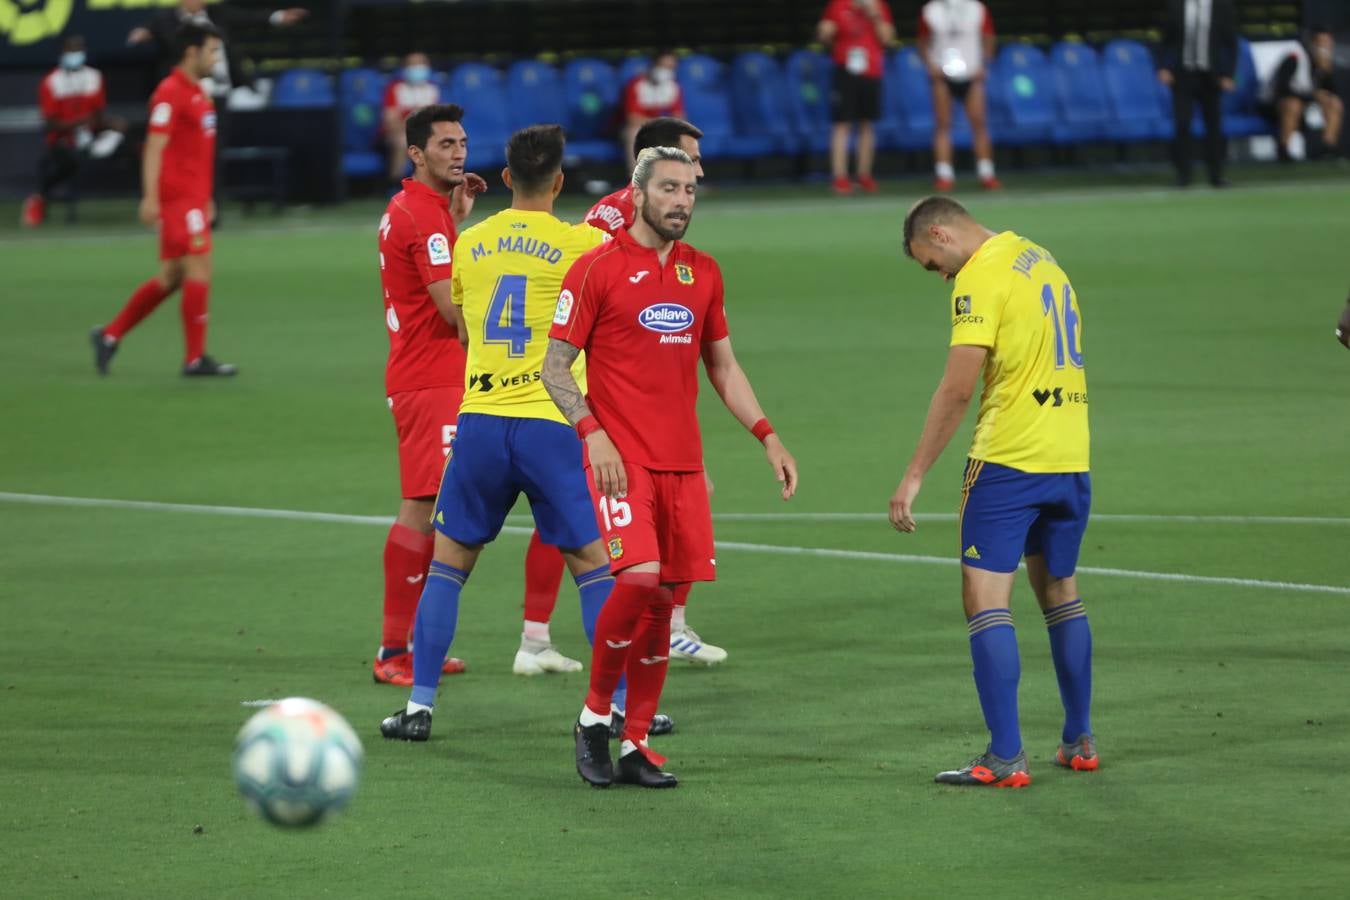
297, 762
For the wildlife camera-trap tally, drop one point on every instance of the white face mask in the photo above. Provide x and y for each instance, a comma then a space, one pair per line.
663, 75
73, 59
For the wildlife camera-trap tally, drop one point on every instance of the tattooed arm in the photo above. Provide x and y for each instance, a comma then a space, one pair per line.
606, 465
561, 385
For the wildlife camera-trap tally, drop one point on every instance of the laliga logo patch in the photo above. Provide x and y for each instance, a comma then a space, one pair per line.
438, 250
391, 319
684, 274
616, 548
963, 305
209, 123
563, 314
666, 318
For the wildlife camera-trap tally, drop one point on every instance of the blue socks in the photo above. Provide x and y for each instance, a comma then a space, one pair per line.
595, 587
434, 629
998, 668
1071, 648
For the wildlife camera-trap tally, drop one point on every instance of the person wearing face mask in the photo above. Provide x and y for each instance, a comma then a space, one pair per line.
411, 91
74, 112
651, 95
856, 32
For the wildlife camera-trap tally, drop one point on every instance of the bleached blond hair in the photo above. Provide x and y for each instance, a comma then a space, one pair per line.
647, 160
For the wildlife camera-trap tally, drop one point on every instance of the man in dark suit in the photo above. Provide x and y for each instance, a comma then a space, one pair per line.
1199, 59
161, 30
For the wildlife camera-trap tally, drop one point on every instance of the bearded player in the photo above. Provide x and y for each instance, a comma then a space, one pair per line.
645, 308
424, 378
543, 564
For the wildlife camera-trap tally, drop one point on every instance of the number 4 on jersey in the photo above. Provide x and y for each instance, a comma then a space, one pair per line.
505, 320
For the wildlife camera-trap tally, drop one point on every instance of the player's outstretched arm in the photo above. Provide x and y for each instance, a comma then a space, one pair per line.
732, 385
945, 413
606, 465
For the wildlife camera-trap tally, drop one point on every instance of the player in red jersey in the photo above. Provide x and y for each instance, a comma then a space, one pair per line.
176, 186
646, 307
544, 564
424, 378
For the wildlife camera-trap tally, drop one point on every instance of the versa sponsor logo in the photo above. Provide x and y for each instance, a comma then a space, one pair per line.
1060, 396
666, 318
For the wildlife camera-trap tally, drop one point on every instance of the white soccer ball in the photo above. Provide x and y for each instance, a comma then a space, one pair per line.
297, 762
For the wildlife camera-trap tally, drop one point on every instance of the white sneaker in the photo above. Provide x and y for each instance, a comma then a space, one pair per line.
687, 645
540, 660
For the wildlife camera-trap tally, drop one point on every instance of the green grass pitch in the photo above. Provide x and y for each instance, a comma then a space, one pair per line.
131, 636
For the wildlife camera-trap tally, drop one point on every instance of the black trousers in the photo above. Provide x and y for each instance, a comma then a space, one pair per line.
58, 163
1190, 88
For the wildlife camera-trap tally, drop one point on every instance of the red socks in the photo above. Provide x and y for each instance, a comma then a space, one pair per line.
543, 576
142, 303
615, 630
648, 661
193, 309
681, 592
407, 557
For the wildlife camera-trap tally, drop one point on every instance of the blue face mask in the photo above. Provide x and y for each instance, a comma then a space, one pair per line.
72, 60
416, 74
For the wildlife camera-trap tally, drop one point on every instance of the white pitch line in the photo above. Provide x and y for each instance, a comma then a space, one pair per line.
773, 549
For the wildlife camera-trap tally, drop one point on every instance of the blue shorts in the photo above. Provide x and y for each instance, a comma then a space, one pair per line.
1007, 514
495, 459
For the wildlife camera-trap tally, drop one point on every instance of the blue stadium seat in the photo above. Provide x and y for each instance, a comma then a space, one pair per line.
1137, 113
361, 101
907, 86
808, 74
1241, 117
591, 93
481, 90
536, 95
1021, 99
303, 89
1083, 115
630, 67
759, 99
707, 102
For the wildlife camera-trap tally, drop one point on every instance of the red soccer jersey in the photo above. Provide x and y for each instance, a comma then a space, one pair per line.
648, 99
613, 213
407, 97
69, 95
416, 235
643, 327
856, 45
182, 110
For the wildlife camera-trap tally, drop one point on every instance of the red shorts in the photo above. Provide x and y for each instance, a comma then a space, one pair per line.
425, 421
184, 230
664, 518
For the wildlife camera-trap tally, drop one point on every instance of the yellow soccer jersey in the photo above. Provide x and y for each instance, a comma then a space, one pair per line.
1013, 298
508, 272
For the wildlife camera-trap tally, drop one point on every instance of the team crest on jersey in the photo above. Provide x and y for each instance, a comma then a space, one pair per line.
616, 548
563, 314
209, 123
963, 305
438, 249
684, 274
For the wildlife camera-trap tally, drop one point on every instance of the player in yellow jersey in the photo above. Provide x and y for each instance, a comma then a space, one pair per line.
1027, 492
511, 438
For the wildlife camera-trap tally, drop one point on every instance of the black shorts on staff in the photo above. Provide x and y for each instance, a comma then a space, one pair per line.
854, 98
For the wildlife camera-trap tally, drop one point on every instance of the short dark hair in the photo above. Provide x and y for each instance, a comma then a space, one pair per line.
665, 131
418, 128
1319, 28
534, 155
72, 39
193, 34
933, 210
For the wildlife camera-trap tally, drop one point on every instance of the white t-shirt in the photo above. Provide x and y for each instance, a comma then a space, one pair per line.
955, 30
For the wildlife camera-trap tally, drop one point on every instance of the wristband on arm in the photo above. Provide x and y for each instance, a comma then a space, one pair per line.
761, 430
587, 426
